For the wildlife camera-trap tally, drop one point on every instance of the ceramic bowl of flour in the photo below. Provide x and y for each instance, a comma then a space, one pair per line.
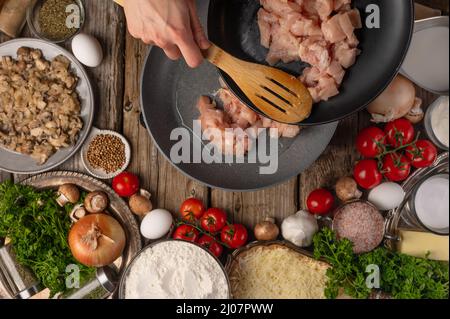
174, 269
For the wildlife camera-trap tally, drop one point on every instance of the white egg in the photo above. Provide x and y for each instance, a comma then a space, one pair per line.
156, 224
387, 196
87, 50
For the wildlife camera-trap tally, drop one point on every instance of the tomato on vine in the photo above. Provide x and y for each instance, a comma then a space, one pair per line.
370, 142
399, 132
186, 232
421, 154
367, 174
396, 167
211, 244
213, 220
192, 209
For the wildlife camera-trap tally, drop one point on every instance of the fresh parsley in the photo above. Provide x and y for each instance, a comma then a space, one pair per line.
401, 276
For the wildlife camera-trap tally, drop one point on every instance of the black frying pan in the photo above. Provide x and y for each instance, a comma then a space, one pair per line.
232, 25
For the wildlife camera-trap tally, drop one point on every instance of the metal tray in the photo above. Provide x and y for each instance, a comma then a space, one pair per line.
117, 208
401, 216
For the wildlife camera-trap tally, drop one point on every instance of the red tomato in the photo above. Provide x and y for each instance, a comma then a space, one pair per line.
234, 236
396, 167
370, 141
213, 220
186, 232
422, 154
211, 244
399, 132
192, 209
125, 184
367, 174
320, 202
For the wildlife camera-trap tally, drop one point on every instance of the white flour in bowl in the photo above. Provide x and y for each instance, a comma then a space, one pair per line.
176, 270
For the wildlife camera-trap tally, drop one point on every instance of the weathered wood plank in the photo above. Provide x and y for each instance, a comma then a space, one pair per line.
249, 208
336, 161
168, 186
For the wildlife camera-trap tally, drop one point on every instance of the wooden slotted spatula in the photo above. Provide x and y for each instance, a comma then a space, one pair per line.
279, 95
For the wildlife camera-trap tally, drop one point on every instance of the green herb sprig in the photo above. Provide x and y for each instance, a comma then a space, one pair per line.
401, 276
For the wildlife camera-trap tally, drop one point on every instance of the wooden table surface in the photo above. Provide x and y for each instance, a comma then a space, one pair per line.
116, 84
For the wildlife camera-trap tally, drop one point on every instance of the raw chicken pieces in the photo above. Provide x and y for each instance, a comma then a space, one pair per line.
235, 115
318, 32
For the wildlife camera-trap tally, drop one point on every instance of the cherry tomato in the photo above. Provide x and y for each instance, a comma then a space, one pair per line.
370, 141
186, 232
396, 167
320, 202
192, 209
422, 154
211, 244
213, 220
234, 236
367, 174
399, 132
125, 184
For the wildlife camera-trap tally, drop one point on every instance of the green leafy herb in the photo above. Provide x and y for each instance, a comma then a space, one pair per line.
402, 276
38, 229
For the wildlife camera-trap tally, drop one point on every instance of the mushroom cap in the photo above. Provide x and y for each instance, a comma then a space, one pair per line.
140, 205
70, 191
96, 202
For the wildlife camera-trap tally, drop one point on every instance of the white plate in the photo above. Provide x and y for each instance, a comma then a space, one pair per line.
23, 164
99, 173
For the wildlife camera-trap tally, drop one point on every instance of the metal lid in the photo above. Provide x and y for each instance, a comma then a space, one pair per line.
107, 277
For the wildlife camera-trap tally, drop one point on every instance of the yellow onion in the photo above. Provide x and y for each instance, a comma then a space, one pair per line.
97, 240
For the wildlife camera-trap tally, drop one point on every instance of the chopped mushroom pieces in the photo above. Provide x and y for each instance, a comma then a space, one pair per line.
39, 106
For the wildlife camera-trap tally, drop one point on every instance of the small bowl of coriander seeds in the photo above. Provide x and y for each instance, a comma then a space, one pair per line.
105, 154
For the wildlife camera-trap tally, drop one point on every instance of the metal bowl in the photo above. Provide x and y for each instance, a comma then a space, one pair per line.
33, 21
413, 210
428, 126
150, 246
418, 27
22, 164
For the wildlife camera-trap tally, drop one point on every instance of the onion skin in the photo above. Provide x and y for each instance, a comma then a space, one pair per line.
106, 252
395, 102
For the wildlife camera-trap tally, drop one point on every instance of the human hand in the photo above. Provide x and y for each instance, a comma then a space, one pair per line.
173, 25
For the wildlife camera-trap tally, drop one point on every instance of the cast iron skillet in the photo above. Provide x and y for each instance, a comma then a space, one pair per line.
232, 25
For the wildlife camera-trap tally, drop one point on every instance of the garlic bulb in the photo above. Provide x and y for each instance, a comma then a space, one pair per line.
300, 228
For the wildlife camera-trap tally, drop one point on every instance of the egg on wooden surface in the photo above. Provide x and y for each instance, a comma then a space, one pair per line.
156, 224
87, 50
387, 196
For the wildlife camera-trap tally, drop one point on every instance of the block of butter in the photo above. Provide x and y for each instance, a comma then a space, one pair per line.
418, 244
